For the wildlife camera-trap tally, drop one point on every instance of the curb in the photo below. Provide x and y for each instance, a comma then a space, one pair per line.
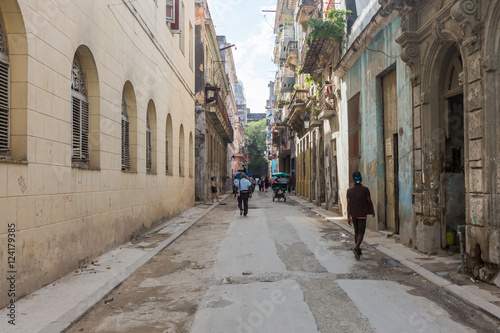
82, 308
453, 289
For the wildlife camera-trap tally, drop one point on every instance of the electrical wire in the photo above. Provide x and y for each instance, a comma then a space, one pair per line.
372, 50
274, 30
121, 3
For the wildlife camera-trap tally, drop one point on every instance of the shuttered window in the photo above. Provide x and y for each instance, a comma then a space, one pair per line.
4, 92
125, 136
149, 162
80, 113
4, 107
80, 129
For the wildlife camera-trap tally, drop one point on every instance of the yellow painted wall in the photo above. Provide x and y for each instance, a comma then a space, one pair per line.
64, 215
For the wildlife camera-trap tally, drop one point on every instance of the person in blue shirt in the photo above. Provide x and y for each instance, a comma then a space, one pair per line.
243, 185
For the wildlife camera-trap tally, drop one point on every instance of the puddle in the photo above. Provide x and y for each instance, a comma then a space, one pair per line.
392, 262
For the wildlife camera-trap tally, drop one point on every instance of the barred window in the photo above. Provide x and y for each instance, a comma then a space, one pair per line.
80, 112
4, 92
149, 161
125, 136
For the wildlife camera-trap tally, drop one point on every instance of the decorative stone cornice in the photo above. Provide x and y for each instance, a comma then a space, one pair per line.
437, 31
465, 13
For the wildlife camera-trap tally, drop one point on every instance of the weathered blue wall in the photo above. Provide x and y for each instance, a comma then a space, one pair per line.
364, 77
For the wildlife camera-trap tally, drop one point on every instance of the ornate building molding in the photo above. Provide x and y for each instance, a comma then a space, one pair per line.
465, 13
78, 79
3, 38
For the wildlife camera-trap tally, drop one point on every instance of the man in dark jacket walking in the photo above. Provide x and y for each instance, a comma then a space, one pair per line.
359, 205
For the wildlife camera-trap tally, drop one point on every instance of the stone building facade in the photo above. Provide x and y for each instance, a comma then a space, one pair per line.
214, 130
96, 128
452, 50
410, 99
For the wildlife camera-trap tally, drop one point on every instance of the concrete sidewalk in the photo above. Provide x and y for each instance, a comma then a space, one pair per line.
478, 294
56, 306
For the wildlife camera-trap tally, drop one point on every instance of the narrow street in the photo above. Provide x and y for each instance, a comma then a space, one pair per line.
280, 269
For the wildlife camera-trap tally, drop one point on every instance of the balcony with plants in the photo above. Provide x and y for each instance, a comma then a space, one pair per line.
323, 40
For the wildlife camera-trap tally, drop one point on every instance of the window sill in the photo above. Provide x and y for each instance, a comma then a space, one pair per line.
129, 171
85, 167
7, 159
168, 174
151, 173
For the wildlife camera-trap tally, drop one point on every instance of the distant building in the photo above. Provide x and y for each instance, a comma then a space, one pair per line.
214, 129
253, 117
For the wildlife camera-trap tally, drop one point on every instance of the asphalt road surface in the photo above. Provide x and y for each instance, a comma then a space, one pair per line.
280, 269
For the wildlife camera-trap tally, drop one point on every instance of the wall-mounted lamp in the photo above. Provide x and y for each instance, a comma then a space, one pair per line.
232, 157
307, 121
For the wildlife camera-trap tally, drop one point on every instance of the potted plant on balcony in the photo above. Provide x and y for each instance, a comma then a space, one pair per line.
332, 27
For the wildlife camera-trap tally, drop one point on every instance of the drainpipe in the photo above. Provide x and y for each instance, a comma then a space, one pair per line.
460, 232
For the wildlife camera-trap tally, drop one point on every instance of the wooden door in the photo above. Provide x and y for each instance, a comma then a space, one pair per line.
390, 97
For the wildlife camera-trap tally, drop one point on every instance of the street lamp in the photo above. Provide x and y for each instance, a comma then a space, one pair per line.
307, 121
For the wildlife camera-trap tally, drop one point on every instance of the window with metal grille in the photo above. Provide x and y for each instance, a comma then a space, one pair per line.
149, 162
4, 108
4, 92
125, 136
80, 112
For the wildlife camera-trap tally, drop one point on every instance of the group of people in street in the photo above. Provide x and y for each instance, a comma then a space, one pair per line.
263, 183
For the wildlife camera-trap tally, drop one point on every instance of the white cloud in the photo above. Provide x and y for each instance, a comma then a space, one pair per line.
253, 62
244, 24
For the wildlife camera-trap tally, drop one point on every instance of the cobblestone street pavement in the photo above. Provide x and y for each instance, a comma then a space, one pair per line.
282, 268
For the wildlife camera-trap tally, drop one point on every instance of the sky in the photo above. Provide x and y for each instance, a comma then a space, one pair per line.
244, 25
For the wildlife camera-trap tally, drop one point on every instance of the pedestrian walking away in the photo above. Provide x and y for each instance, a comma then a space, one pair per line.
266, 184
214, 189
359, 205
244, 193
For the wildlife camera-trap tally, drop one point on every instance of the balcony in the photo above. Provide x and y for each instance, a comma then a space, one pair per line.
276, 139
287, 78
292, 56
216, 110
305, 10
310, 54
297, 108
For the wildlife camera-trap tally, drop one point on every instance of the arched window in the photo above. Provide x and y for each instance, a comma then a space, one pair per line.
151, 139
80, 112
169, 147
149, 147
181, 151
4, 92
125, 135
